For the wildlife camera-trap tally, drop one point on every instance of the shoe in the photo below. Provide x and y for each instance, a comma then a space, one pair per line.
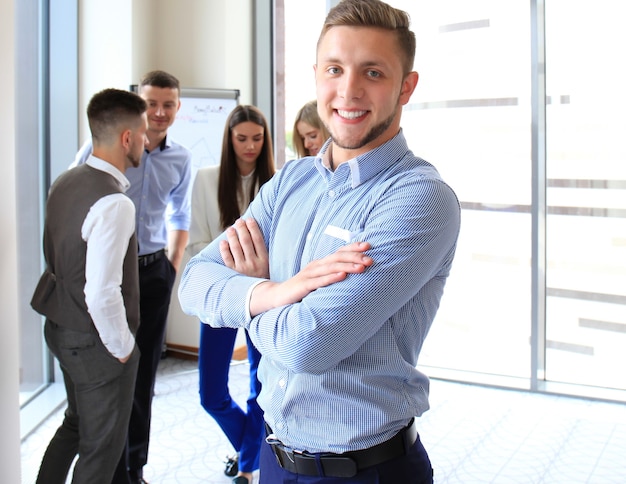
136, 477
241, 480
232, 468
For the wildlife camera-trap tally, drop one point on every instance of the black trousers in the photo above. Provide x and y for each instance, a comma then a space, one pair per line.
155, 289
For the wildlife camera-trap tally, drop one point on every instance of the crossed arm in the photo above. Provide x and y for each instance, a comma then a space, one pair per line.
244, 251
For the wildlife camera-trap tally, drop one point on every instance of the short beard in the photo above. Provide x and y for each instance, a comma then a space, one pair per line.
134, 162
374, 133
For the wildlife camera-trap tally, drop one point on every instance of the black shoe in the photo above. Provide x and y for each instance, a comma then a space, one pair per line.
241, 480
136, 477
232, 468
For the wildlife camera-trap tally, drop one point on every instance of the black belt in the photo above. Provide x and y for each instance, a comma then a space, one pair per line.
348, 463
148, 259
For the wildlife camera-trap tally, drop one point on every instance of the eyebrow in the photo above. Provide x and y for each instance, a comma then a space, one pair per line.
367, 63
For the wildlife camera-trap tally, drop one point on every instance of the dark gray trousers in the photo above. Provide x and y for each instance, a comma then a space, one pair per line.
99, 399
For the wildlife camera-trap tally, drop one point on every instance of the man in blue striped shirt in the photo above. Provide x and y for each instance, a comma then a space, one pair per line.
337, 270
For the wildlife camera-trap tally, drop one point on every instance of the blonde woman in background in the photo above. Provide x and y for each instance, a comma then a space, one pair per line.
309, 133
220, 195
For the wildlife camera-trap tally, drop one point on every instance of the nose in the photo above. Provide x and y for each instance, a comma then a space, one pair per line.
159, 111
308, 143
350, 86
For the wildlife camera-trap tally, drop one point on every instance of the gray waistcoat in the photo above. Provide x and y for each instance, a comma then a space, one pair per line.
60, 292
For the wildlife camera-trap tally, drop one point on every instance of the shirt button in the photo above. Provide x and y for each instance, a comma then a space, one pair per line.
282, 383
280, 425
331, 193
309, 236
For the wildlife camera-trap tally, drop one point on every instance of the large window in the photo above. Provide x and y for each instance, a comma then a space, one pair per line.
47, 96
472, 117
30, 146
586, 194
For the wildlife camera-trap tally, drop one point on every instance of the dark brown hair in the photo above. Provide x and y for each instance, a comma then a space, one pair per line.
159, 79
229, 180
110, 110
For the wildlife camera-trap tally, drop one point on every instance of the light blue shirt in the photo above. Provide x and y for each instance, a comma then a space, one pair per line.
160, 190
338, 371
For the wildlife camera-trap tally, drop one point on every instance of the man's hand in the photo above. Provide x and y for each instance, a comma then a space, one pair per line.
349, 259
244, 251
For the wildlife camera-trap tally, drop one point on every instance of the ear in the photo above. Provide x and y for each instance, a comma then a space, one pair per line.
125, 138
408, 86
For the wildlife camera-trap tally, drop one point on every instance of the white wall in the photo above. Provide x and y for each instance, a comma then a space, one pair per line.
203, 43
9, 343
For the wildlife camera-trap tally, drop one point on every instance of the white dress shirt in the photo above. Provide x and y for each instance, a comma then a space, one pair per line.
107, 229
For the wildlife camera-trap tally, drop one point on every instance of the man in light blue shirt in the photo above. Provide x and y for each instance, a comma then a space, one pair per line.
337, 270
159, 188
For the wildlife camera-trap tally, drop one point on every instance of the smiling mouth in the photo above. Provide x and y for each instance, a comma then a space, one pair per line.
350, 114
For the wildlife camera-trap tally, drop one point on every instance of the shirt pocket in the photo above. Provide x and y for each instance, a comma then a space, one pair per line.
332, 239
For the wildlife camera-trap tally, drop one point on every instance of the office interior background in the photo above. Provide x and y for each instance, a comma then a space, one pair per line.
518, 106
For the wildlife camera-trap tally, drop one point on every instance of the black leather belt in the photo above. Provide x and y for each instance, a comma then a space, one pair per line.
148, 259
347, 464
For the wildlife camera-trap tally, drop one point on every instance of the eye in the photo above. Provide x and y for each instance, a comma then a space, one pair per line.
333, 70
373, 74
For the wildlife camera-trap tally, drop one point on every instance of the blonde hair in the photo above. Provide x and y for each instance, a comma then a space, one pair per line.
307, 114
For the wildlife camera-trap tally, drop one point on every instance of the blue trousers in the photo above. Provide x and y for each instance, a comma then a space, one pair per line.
244, 429
412, 468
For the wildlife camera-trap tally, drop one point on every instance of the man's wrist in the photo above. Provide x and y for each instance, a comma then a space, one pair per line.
259, 298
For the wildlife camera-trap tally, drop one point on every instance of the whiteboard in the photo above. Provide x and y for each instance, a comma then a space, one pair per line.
200, 123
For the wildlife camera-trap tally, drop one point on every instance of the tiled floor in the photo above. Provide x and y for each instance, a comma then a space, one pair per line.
473, 435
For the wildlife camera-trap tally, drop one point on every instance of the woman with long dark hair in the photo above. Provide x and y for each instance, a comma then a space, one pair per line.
220, 195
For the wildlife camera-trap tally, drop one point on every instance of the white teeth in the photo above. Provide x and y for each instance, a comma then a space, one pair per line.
350, 114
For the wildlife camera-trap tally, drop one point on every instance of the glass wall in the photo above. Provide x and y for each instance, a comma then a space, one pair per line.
47, 92
586, 194
471, 116
303, 22
30, 146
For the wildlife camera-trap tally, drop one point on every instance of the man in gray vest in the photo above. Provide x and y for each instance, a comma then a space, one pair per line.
89, 293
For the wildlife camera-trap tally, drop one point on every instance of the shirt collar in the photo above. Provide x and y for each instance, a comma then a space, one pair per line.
102, 165
367, 165
165, 143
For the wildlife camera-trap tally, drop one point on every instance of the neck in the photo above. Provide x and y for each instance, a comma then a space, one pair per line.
155, 139
245, 168
111, 157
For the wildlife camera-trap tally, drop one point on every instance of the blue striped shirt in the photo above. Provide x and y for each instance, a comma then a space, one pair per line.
339, 368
